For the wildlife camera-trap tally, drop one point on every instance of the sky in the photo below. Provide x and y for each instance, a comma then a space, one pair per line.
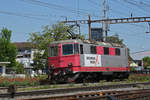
27, 16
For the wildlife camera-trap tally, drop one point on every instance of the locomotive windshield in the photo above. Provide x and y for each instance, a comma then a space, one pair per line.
67, 49
53, 51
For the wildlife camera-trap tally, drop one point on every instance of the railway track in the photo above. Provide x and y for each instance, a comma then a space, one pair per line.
143, 94
106, 95
66, 91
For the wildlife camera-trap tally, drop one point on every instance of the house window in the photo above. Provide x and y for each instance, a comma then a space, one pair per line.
106, 51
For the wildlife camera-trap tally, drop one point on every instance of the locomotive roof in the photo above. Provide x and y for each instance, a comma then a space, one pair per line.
89, 42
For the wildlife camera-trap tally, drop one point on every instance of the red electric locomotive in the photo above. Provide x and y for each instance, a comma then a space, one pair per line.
79, 60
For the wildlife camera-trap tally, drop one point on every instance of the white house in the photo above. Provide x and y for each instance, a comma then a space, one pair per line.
25, 55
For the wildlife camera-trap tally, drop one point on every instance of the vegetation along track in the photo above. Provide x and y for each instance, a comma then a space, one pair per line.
64, 91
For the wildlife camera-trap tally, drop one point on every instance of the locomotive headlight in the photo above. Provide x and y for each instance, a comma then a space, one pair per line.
70, 64
52, 66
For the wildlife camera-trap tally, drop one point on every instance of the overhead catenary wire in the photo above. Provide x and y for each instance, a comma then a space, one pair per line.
140, 26
130, 35
119, 12
55, 6
147, 1
80, 11
22, 15
120, 6
94, 3
138, 5
141, 51
124, 3
96, 6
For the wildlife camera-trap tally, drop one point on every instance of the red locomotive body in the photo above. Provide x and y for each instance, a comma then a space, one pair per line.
77, 60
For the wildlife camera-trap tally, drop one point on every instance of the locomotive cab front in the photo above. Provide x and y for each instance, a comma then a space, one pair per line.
63, 55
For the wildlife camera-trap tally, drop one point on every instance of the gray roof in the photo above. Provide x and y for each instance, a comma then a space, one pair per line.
89, 42
140, 55
67, 41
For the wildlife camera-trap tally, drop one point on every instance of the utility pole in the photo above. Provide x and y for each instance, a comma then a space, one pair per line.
79, 30
78, 25
89, 25
104, 24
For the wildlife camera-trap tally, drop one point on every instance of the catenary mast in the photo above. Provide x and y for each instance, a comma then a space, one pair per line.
104, 24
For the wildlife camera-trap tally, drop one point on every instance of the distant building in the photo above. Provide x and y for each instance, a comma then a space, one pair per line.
25, 54
138, 56
97, 34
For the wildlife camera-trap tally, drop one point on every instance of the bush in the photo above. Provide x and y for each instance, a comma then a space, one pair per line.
139, 77
4, 82
132, 68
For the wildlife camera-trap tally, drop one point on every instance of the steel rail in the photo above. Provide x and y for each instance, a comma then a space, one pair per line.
119, 95
59, 85
131, 95
72, 90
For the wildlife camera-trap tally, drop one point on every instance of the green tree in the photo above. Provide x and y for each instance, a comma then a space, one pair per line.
8, 51
114, 39
42, 39
19, 68
38, 61
56, 32
146, 62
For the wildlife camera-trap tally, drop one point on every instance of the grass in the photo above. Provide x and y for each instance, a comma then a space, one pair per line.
133, 78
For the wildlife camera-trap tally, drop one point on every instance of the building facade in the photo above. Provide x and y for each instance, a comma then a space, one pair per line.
25, 55
97, 34
138, 56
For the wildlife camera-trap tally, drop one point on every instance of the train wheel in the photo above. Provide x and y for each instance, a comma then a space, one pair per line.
73, 77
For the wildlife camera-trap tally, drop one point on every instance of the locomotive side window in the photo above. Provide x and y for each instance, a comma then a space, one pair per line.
76, 49
106, 51
117, 51
93, 50
81, 49
67, 49
53, 51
